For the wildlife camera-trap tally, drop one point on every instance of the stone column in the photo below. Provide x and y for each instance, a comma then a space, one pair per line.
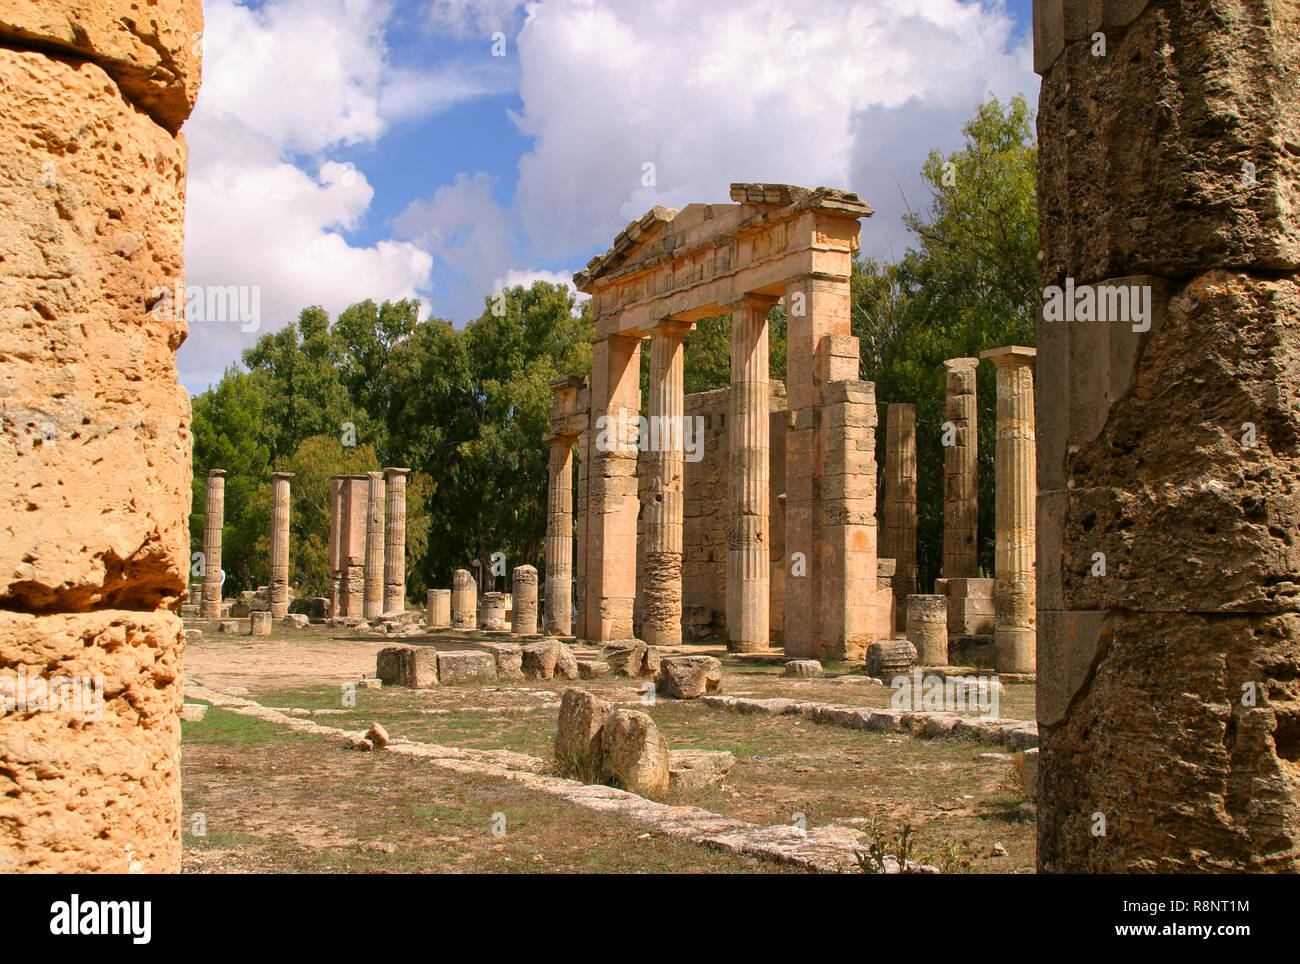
374, 571
352, 552
612, 503
661, 601
927, 628
464, 600
898, 534
336, 531
961, 472
523, 588
395, 541
747, 491
559, 537
213, 520
1017, 489
438, 613
278, 587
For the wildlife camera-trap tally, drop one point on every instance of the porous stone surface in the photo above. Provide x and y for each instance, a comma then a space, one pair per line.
927, 628
259, 624
193, 712
438, 609
464, 600
94, 438
228, 626
688, 677
150, 50
1187, 129
523, 613
377, 735
466, 667
577, 737
297, 620
75, 790
626, 657
803, 667
592, 669
634, 756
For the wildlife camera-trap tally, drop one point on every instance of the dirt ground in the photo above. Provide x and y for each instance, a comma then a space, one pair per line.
273, 799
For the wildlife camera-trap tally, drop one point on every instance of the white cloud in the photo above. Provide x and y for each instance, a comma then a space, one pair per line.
283, 85
742, 90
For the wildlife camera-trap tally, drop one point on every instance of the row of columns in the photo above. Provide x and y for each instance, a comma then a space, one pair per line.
368, 543
1015, 486
367, 552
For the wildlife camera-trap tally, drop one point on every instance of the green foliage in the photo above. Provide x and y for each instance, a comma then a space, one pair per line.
465, 410
969, 285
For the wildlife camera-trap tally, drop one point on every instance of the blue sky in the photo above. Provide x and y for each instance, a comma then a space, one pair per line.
345, 149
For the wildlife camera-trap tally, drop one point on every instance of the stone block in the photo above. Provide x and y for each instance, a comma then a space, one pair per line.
689, 677
260, 623
634, 756
466, 667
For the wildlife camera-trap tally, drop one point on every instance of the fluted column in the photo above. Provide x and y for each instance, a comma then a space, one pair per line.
1014, 595
278, 586
213, 520
612, 500
961, 472
898, 534
395, 541
559, 537
336, 541
661, 603
747, 492
374, 572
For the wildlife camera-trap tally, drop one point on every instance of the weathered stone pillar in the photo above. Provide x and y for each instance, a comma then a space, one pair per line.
374, 571
898, 533
961, 471
464, 600
492, 612
1169, 630
395, 541
278, 587
438, 612
927, 628
213, 521
95, 474
747, 491
1017, 489
352, 552
661, 600
336, 540
559, 537
612, 502
523, 590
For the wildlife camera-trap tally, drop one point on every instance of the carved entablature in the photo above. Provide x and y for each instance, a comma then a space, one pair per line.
692, 263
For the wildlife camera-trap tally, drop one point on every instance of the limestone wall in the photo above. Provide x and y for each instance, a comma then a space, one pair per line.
94, 429
704, 539
1168, 692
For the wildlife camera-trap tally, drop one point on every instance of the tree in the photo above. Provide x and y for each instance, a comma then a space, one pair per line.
969, 285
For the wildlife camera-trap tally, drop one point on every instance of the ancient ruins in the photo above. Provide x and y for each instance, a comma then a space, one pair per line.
717, 562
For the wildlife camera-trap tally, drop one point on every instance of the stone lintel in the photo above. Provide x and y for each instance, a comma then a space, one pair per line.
1001, 356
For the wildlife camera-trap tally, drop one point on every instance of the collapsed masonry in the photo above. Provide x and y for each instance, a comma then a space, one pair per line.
94, 429
803, 524
1169, 649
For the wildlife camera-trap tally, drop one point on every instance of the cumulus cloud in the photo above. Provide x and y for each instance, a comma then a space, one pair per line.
284, 86
742, 90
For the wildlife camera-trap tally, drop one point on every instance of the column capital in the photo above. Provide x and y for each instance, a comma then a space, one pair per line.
671, 328
396, 471
1010, 355
753, 300
559, 439
216, 473
965, 364
282, 475
374, 475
